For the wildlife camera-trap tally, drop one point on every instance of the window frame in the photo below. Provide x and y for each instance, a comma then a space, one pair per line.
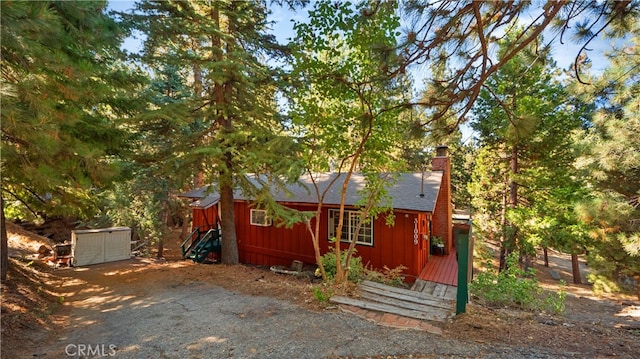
266, 220
350, 222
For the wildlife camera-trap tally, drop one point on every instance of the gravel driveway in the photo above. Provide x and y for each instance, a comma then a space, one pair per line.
130, 318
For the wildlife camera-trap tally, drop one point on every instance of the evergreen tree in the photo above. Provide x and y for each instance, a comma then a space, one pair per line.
224, 47
612, 160
63, 85
466, 35
146, 200
524, 123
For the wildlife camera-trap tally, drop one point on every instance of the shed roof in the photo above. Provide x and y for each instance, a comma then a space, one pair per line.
404, 194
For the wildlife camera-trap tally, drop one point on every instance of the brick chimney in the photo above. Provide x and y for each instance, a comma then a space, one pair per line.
442, 225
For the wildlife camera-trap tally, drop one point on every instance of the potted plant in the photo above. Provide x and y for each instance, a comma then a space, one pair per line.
437, 245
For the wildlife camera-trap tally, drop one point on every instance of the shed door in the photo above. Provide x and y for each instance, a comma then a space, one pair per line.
88, 248
117, 245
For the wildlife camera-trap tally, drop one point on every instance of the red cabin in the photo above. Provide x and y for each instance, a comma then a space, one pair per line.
421, 205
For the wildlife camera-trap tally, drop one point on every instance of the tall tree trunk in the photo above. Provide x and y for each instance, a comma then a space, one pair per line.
160, 248
575, 269
184, 232
4, 248
527, 262
503, 233
165, 220
511, 240
225, 175
198, 87
227, 225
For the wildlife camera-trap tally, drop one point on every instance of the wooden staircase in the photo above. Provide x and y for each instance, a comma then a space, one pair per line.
200, 244
433, 307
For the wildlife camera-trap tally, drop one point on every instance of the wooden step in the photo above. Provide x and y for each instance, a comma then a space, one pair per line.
437, 311
387, 308
439, 290
418, 285
405, 301
405, 294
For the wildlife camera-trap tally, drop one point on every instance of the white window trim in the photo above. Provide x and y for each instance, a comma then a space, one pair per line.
348, 216
266, 219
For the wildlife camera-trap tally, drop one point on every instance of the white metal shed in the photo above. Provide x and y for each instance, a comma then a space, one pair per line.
93, 246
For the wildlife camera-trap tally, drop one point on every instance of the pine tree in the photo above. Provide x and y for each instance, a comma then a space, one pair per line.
63, 84
223, 46
466, 36
525, 120
612, 159
146, 200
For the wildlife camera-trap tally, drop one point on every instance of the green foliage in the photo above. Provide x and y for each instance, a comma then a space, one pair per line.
602, 283
355, 269
524, 184
136, 205
436, 240
346, 111
514, 287
556, 304
64, 90
322, 293
612, 240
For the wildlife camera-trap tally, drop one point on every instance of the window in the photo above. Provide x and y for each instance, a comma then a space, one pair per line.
351, 218
259, 218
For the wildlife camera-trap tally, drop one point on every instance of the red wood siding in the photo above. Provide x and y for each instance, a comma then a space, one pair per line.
204, 218
273, 245
393, 246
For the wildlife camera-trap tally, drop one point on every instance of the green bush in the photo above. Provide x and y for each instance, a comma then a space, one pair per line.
515, 287
356, 269
322, 294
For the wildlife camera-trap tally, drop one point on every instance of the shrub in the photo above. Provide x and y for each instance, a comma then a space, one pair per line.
356, 269
603, 284
515, 287
556, 304
322, 294
393, 277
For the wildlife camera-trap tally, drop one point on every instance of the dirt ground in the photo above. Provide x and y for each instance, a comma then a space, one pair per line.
38, 303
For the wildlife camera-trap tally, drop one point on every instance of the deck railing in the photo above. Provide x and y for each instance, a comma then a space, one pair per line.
190, 242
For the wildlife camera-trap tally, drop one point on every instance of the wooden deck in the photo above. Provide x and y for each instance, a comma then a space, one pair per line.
441, 269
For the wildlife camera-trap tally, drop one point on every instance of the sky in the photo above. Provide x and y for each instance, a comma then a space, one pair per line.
283, 19
564, 54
